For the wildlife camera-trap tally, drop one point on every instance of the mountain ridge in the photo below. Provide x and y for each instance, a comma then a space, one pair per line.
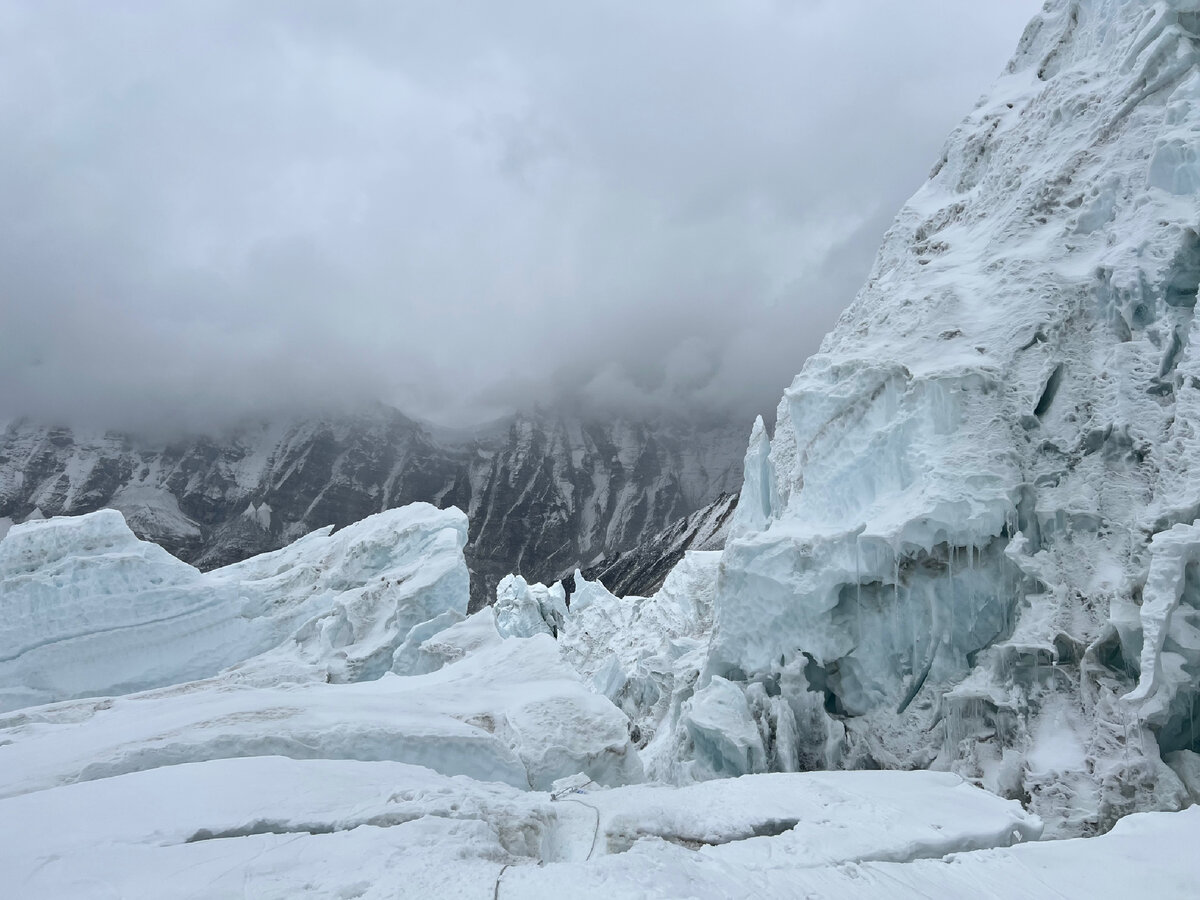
545, 491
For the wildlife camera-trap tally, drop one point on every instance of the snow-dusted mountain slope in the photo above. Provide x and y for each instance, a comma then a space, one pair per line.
641, 571
544, 492
564, 492
973, 542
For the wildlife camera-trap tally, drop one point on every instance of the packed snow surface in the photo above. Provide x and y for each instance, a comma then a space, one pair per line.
274, 827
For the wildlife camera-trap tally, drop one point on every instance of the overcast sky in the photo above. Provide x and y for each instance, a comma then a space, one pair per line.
215, 208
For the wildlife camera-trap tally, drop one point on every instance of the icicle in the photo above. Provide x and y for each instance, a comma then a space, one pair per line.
950, 574
912, 624
858, 593
896, 639
1192, 723
1125, 728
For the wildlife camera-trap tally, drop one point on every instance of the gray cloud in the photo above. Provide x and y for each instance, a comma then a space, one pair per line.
224, 208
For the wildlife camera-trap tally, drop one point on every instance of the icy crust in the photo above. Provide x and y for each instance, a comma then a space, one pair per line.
508, 711
957, 549
269, 826
89, 609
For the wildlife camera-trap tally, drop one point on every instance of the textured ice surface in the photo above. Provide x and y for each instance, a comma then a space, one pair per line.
643, 653
86, 608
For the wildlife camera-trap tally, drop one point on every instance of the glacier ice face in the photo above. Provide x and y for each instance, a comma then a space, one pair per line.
972, 535
87, 608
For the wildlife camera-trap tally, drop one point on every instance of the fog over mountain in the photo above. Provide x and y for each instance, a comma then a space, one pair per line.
219, 209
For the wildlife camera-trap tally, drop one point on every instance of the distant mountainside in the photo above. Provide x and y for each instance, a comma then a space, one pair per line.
544, 491
641, 570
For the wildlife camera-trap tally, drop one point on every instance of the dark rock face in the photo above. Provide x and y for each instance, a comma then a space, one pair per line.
563, 493
640, 571
544, 492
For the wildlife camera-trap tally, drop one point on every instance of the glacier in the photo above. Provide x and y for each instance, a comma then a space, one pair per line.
483, 760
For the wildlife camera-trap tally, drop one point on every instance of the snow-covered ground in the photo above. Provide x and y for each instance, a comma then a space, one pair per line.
269, 826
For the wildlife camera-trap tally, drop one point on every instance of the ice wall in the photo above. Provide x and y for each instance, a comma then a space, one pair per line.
87, 609
959, 548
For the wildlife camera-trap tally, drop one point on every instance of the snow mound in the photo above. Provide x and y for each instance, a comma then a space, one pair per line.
88, 609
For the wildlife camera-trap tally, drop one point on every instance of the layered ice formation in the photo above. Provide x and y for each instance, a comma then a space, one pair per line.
972, 542
89, 609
